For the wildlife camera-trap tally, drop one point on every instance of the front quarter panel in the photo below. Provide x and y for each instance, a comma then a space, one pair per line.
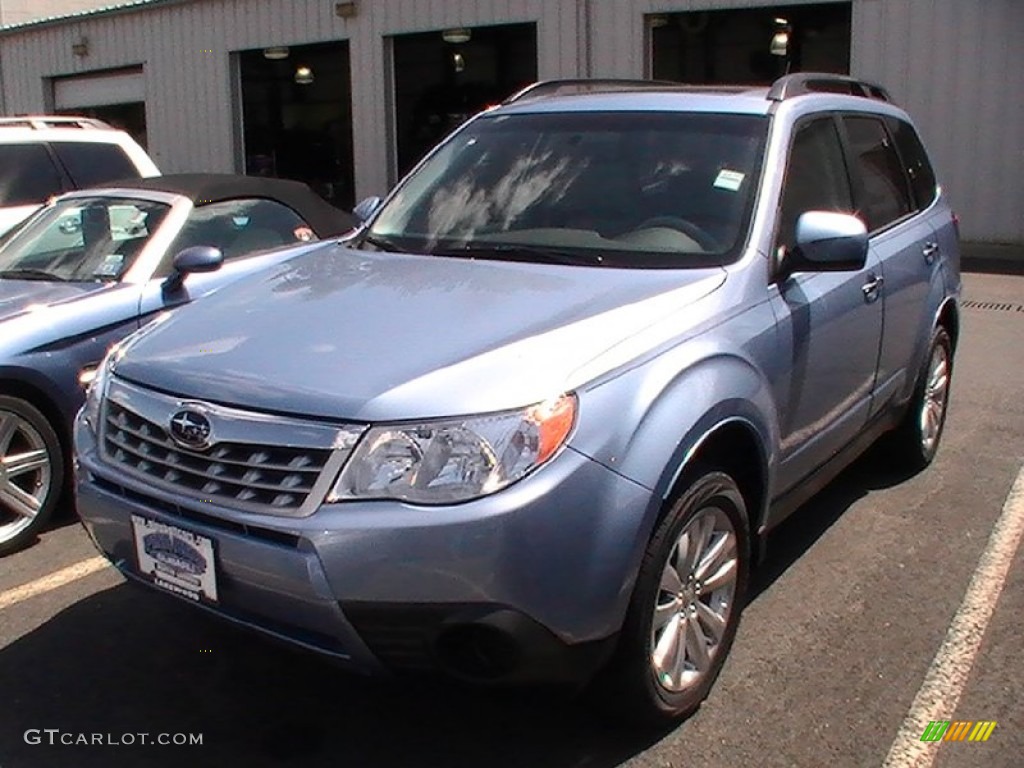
645, 423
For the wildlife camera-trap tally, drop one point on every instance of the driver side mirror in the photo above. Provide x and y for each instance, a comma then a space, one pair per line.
198, 258
827, 242
366, 208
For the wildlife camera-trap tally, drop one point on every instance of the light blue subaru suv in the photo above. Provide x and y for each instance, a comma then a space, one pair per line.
533, 421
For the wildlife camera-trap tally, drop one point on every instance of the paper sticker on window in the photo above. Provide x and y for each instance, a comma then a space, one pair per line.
731, 180
110, 266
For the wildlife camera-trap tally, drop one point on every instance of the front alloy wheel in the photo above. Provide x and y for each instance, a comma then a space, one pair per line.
694, 601
685, 607
31, 471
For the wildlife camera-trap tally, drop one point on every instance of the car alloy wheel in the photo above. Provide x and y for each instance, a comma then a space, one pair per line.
685, 606
31, 472
694, 601
932, 411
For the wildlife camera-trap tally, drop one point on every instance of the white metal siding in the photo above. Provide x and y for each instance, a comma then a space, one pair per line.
956, 65
958, 68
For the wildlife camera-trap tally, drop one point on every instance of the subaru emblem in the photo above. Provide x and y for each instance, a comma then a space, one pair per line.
191, 429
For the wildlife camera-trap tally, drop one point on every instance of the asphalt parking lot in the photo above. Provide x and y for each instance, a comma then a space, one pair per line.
847, 619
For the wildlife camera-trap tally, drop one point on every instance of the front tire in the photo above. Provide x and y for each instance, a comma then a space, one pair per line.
685, 607
31, 473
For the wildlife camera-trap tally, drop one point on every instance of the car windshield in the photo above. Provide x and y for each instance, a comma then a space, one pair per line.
81, 239
625, 189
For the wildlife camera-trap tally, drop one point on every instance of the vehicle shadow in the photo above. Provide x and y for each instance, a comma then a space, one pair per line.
123, 662
799, 532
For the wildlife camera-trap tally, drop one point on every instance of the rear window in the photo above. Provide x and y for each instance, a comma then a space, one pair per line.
90, 164
27, 175
915, 160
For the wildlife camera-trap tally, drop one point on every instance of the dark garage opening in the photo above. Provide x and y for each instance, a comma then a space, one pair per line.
750, 46
297, 117
442, 78
130, 117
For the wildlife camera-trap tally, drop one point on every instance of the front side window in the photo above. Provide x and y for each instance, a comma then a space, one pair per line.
816, 178
615, 189
85, 239
884, 189
27, 175
241, 227
89, 164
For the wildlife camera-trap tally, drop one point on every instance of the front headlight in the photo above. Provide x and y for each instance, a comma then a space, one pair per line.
97, 380
97, 388
450, 461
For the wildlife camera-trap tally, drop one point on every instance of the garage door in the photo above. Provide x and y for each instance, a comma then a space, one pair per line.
99, 90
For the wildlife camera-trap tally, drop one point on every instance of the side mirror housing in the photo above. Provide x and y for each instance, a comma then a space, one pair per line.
828, 242
198, 258
366, 208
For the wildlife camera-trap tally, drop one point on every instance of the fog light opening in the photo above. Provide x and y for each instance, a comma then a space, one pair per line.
478, 652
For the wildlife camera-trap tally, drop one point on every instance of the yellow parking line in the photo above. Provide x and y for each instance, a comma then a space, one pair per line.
52, 581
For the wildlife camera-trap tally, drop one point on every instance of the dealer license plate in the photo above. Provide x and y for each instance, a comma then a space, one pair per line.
176, 560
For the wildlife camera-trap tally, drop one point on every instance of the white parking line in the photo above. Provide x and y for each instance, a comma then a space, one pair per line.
951, 667
52, 582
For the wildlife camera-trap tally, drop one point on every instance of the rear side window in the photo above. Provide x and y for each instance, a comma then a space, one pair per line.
27, 175
884, 192
915, 161
90, 164
816, 179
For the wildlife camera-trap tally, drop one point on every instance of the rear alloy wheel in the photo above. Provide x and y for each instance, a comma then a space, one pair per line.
31, 473
686, 605
916, 441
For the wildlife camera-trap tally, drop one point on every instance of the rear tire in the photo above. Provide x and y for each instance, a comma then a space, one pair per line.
916, 441
685, 607
31, 473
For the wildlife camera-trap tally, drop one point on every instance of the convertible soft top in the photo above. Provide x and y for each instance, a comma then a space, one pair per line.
207, 188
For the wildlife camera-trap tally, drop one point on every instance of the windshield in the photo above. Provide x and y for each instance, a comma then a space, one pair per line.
81, 239
623, 189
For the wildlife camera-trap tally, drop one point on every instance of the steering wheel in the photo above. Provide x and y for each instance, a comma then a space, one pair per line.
702, 237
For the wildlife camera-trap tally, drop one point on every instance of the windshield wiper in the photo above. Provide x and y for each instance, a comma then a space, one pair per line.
383, 244
31, 274
523, 252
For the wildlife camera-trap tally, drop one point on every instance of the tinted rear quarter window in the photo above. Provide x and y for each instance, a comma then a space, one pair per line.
90, 164
884, 192
915, 161
27, 175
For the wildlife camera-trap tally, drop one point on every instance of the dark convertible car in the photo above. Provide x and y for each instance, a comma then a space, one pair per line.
95, 265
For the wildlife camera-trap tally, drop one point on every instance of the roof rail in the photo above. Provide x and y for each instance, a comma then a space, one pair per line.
545, 88
801, 83
41, 122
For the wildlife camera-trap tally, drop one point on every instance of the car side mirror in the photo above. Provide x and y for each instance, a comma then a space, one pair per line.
198, 258
366, 208
828, 242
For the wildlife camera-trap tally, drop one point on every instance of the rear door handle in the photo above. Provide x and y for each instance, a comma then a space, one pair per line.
930, 252
871, 287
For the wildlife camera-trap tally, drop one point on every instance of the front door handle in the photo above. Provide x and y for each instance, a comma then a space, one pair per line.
930, 252
872, 286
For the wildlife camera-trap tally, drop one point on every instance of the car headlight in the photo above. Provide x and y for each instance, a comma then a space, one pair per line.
97, 387
96, 380
454, 460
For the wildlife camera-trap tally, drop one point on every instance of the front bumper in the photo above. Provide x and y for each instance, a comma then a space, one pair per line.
531, 583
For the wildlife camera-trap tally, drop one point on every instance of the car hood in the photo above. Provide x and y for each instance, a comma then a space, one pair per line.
362, 336
18, 297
